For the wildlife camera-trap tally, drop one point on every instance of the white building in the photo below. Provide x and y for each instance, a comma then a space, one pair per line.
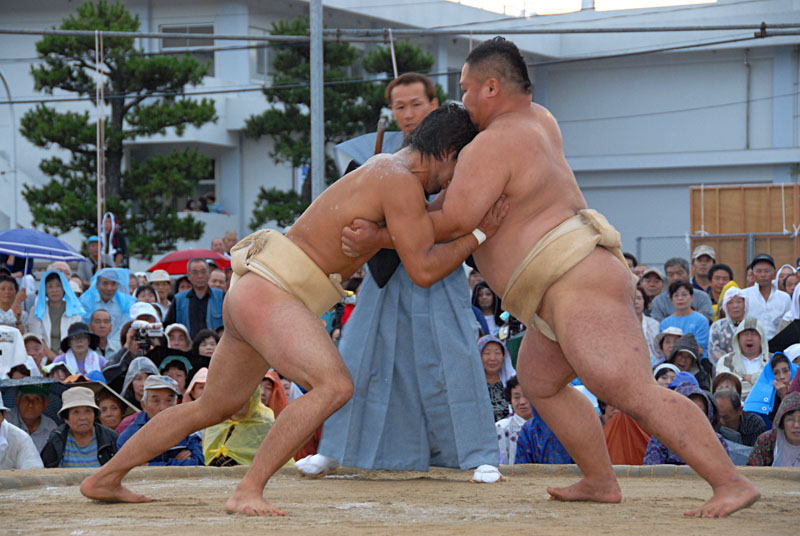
638, 129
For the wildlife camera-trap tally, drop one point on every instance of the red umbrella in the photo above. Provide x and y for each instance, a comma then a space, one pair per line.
175, 262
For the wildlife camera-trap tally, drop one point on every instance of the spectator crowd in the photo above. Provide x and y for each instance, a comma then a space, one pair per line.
124, 347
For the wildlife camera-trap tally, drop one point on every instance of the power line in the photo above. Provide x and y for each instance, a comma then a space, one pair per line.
36, 100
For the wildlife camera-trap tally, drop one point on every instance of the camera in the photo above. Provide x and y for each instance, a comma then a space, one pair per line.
144, 332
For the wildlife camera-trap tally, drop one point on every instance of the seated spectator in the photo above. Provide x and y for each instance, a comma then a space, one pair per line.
498, 369
79, 350
11, 303
474, 278
218, 246
81, 441
748, 426
204, 344
771, 387
650, 327
56, 309
160, 282
750, 354
720, 335
487, 301
719, 275
56, 371
681, 293
145, 293
658, 453
112, 409
664, 341
100, 325
781, 275
790, 283
780, 447
178, 337
703, 258
109, 291
236, 440
652, 282
764, 301
677, 269
665, 373
685, 355
28, 416
198, 308
87, 269
727, 380
508, 429
217, 279
536, 443
35, 349
272, 394
178, 368
196, 386
17, 450
160, 393
133, 386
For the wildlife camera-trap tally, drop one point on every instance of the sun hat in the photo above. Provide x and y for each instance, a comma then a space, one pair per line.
79, 328
76, 397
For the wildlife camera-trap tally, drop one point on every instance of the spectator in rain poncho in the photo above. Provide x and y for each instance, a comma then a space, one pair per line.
56, 309
236, 440
133, 388
658, 453
780, 447
109, 291
771, 387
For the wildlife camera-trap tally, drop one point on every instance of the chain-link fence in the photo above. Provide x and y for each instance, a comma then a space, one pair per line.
655, 250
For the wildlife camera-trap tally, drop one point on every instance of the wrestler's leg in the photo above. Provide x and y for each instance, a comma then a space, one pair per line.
234, 374
591, 311
544, 375
297, 346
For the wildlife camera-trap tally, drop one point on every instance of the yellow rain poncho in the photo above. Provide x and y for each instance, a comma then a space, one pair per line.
717, 305
239, 440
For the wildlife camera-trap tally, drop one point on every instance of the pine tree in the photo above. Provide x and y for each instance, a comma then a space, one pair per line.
351, 109
145, 96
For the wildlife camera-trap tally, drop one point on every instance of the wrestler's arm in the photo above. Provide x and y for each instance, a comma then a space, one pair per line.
479, 180
411, 233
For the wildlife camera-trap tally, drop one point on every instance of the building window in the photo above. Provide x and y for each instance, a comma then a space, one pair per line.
188, 45
260, 68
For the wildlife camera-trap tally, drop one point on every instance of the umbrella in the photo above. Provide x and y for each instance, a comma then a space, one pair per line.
175, 262
33, 244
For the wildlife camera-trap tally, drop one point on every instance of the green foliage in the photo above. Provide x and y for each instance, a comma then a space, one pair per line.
282, 207
143, 195
351, 109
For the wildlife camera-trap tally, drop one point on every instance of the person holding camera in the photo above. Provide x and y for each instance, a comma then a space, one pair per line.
140, 335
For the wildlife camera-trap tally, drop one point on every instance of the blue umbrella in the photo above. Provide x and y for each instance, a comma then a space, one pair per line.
33, 244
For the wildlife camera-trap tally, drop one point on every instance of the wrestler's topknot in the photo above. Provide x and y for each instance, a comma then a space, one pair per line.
447, 128
501, 59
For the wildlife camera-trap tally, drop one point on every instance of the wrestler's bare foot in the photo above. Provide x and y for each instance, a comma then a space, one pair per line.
727, 499
109, 489
251, 503
606, 491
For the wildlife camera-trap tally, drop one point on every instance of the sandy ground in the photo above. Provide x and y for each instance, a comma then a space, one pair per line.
366, 502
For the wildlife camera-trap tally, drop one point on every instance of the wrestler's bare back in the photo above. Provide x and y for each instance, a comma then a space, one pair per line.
359, 194
519, 154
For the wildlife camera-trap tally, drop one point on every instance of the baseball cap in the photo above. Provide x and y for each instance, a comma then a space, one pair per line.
143, 308
762, 257
92, 238
655, 271
159, 276
699, 251
161, 382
